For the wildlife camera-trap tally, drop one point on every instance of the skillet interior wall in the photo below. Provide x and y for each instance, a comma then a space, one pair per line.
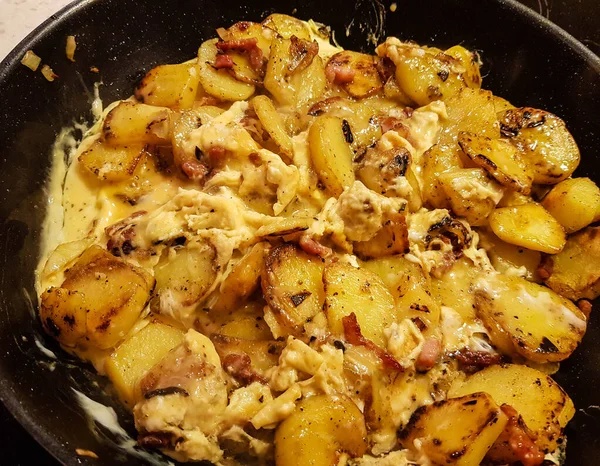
525, 62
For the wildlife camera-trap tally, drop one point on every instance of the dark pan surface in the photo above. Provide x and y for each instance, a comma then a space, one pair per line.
527, 60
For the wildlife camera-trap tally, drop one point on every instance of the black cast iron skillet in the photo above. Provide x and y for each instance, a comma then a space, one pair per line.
527, 60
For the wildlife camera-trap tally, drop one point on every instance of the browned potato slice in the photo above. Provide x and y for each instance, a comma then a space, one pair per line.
506, 257
470, 62
219, 83
470, 193
529, 319
249, 30
513, 198
359, 291
284, 227
501, 105
243, 70
542, 403
366, 79
287, 26
439, 159
110, 163
392, 91
458, 431
271, 121
545, 140
391, 239
126, 366
575, 271
499, 158
243, 279
295, 79
169, 86
185, 275
246, 322
319, 429
470, 110
130, 123
99, 301
292, 285
331, 154
574, 203
262, 355
529, 226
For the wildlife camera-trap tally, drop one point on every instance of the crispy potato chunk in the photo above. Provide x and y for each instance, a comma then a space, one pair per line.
173, 86
458, 431
500, 159
126, 366
545, 140
528, 319
542, 403
359, 291
130, 123
272, 122
529, 226
99, 301
219, 83
331, 154
362, 68
293, 287
184, 276
111, 163
575, 271
319, 429
574, 203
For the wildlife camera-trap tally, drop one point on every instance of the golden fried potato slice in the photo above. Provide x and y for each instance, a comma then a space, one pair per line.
548, 146
500, 159
457, 431
287, 26
219, 83
293, 287
506, 257
391, 239
130, 123
366, 79
112, 163
439, 159
319, 429
359, 291
470, 61
470, 110
63, 314
574, 203
575, 271
249, 30
529, 226
262, 354
543, 404
246, 322
173, 86
272, 122
528, 319
185, 275
331, 154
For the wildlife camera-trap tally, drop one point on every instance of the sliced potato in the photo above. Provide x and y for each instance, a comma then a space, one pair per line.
500, 159
246, 322
470, 62
271, 121
439, 159
219, 83
470, 193
110, 163
126, 366
543, 404
359, 291
458, 431
529, 319
391, 239
331, 154
287, 26
249, 30
172, 86
293, 287
575, 271
392, 91
129, 123
506, 257
574, 203
529, 226
513, 198
470, 110
292, 84
366, 79
319, 429
185, 275
548, 146
243, 279
102, 294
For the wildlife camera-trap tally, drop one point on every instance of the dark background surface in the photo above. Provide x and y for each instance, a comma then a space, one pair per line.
579, 17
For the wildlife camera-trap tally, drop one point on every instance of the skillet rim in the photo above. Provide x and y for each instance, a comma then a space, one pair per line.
51, 441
